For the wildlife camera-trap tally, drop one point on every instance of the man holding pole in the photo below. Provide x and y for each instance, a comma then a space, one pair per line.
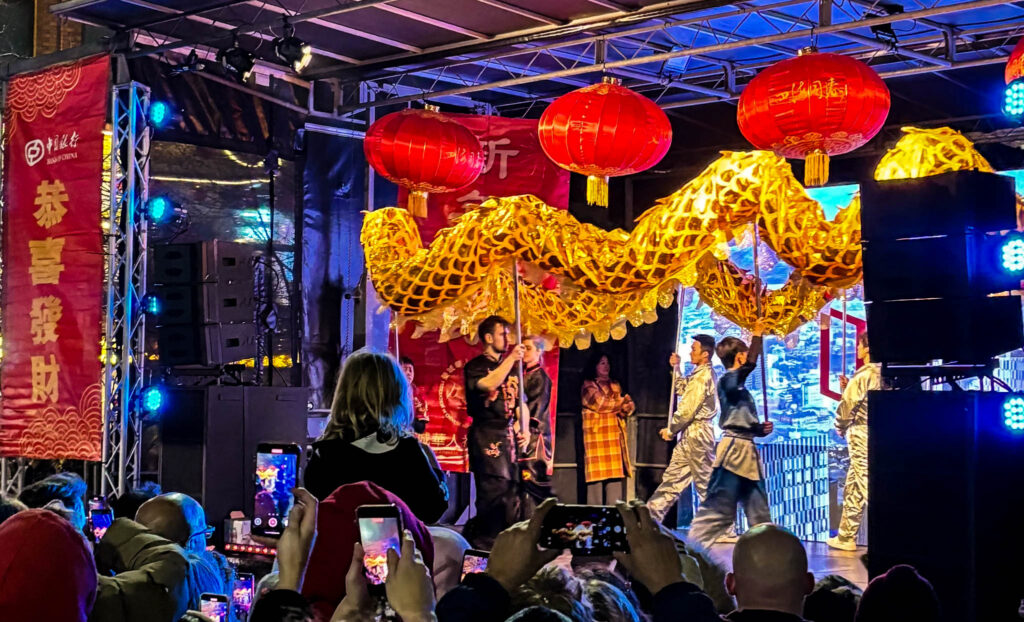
738, 475
492, 402
695, 452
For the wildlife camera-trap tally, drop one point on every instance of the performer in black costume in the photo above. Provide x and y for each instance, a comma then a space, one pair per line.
492, 395
536, 460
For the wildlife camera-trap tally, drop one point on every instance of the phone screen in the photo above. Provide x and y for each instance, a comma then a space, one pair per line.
100, 520
584, 529
378, 534
276, 476
474, 562
214, 606
242, 592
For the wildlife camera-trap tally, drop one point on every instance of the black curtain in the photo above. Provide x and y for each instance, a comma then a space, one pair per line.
334, 182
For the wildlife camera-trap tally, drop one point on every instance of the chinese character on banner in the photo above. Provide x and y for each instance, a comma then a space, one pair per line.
50, 197
45, 371
46, 313
45, 266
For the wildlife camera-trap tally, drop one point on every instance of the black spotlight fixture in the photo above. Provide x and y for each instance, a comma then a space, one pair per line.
236, 61
191, 64
293, 50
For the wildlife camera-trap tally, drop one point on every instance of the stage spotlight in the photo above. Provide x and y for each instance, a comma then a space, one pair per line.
158, 209
1013, 99
152, 399
151, 304
1013, 255
191, 64
236, 61
293, 50
1013, 413
160, 114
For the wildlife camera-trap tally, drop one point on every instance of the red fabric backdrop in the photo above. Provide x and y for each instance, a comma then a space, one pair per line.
515, 164
53, 262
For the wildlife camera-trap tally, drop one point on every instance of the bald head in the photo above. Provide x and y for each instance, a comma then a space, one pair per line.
769, 570
165, 518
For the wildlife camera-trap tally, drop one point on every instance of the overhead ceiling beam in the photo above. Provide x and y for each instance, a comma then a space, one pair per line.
256, 26
537, 17
530, 35
436, 23
323, 23
226, 26
850, 36
776, 38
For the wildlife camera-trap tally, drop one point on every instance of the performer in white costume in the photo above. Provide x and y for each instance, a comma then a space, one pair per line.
696, 408
852, 424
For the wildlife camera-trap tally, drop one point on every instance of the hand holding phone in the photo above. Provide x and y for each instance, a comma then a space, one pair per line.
590, 530
214, 606
474, 561
379, 531
99, 521
277, 473
242, 592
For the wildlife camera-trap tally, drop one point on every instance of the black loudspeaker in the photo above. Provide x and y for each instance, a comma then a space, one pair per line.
932, 251
208, 439
208, 303
943, 497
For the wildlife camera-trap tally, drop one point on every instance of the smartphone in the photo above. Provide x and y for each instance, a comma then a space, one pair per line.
98, 503
474, 561
380, 528
277, 473
584, 530
242, 592
99, 521
214, 606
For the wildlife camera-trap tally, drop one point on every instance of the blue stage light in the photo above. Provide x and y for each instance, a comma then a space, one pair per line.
1013, 413
1013, 255
151, 304
152, 399
158, 209
159, 114
1013, 99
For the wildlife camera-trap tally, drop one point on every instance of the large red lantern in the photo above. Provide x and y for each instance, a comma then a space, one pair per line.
813, 106
424, 151
1015, 64
604, 130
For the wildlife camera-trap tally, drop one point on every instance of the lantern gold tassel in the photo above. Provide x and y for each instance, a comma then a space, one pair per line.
816, 169
597, 190
417, 205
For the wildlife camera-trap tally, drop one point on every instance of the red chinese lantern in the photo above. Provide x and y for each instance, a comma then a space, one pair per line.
424, 151
604, 130
813, 106
1015, 64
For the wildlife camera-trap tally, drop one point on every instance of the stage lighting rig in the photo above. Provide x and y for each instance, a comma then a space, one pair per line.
191, 64
1013, 99
236, 61
163, 212
293, 50
152, 399
1013, 413
151, 304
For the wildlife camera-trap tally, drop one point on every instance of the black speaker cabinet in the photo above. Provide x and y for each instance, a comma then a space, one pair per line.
943, 470
208, 440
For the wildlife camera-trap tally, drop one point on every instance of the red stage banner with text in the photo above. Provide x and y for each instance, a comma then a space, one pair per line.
515, 164
53, 262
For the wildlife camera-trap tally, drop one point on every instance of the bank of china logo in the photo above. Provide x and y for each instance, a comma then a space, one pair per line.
34, 152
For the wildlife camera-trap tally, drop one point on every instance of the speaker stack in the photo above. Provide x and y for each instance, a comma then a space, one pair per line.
208, 303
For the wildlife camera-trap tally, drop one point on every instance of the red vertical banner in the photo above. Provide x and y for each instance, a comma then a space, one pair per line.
515, 164
53, 262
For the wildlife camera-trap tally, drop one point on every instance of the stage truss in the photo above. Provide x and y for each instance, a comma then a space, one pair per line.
124, 363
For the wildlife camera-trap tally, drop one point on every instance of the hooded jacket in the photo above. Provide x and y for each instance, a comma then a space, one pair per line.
46, 569
337, 533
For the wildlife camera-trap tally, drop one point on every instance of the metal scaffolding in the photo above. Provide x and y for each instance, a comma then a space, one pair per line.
123, 374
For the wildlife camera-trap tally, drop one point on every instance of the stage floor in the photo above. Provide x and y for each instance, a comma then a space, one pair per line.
822, 561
